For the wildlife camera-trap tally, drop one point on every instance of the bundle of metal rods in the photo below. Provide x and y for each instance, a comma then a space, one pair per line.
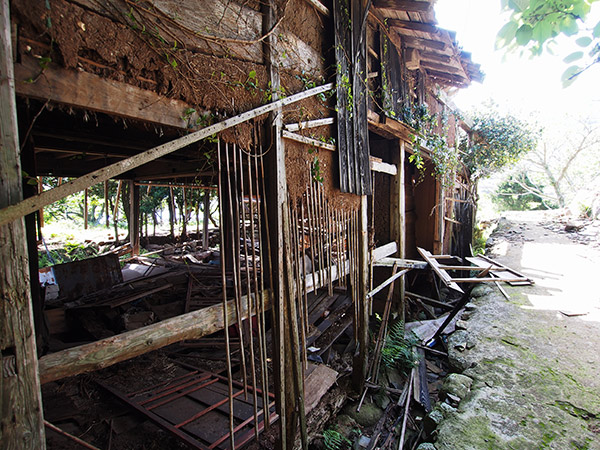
241, 182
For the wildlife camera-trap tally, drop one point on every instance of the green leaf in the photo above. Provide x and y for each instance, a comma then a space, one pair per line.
573, 57
584, 41
252, 74
524, 34
569, 26
542, 31
506, 34
596, 31
569, 75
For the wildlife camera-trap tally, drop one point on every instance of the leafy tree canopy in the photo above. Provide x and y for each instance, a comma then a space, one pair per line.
497, 141
534, 24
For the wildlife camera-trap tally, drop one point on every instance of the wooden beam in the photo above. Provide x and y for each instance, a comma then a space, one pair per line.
379, 166
106, 352
387, 282
413, 26
309, 124
307, 140
391, 128
402, 263
399, 5
21, 421
177, 185
89, 91
423, 44
31, 204
435, 266
383, 251
442, 67
452, 79
435, 57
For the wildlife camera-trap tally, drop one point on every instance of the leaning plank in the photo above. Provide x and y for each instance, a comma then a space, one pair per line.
383, 251
320, 7
431, 260
387, 282
484, 261
109, 351
36, 202
89, 91
307, 140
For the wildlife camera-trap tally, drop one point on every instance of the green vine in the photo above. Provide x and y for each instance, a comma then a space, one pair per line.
430, 131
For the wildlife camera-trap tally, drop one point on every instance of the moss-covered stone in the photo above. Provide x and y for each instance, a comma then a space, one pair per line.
368, 415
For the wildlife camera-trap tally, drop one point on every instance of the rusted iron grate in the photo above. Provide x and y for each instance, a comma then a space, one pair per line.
194, 407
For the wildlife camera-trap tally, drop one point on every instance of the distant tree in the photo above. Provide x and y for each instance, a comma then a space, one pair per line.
519, 193
534, 25
496, 141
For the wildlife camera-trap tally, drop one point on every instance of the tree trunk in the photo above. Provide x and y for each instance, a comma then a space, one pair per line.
171, 212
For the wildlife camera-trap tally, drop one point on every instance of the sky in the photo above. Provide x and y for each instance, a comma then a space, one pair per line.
528, 88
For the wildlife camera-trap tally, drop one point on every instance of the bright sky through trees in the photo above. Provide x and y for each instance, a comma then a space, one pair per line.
527, 87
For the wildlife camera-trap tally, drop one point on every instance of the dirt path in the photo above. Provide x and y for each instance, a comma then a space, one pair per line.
535, 365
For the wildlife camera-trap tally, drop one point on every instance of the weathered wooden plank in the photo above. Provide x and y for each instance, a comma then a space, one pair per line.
309, 124
385, 250
307, 140
317, 383
378, 166
32, 204
404, 5
343, 51
109, 351
402, 263
21, 421
360, 94
387, 282
413, 26
392, 129
435, 266
89, 91
424, 44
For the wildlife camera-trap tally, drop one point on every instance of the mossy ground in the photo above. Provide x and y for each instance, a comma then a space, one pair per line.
535, 370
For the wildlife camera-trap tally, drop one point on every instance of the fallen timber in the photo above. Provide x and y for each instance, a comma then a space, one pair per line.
106, 352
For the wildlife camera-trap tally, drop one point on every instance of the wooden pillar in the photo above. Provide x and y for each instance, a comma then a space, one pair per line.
106, 206
85, 209
360, 363
398, 212
21, 420
206, 219
134, 217
41, 210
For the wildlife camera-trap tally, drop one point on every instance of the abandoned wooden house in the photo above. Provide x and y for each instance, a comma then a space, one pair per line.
307, 117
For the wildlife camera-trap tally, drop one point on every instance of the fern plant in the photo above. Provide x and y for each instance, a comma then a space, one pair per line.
398, 351
334, 440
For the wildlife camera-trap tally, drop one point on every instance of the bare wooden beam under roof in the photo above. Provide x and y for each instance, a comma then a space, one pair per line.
441, 67
435, 57
453, 80
413, 26
423, 44
92, 92
399, 5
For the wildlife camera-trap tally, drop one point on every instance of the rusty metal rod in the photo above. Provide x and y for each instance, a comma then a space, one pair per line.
225, 313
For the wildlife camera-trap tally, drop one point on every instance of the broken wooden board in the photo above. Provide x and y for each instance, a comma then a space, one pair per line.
435, 266
402, 263
317, 382
499, 270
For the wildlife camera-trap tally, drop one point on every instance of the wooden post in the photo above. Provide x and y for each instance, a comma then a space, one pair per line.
21, 421
85, 209
398, 213
360, 363
41, 210
106, 202
205, 219
134, 217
